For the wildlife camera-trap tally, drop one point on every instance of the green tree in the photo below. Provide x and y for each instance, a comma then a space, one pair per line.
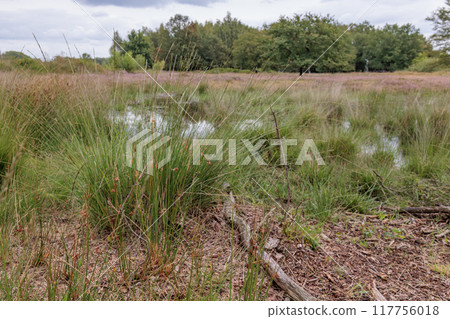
124, 61
394, 47
363, 36
117, 43
249, 49
86, 56
299, 41
228, 30
210, 48
441, 21
116, 49
162, 42
139, 44
14, 55
290, 44
184, 35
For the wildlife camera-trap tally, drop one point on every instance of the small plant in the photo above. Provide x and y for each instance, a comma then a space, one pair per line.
309, 234
442, 269
202, 88
393, 233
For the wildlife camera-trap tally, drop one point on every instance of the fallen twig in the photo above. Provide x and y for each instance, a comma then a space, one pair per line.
380, 180
420, 210
443, 234
426, 210
283, 156
291, 287
376, 293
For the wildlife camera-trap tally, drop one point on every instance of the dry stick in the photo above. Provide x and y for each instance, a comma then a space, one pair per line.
380, 179
40, 48
43, 65
426, 210
376, 293
445, 233
291, 287
283, 156
70, 54
441, 209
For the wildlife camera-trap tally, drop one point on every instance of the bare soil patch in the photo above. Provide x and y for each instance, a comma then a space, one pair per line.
404, 257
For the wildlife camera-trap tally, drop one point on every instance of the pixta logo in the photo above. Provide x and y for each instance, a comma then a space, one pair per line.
141, 148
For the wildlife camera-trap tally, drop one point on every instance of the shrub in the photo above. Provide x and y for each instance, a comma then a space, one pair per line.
426, 63
159, 65
123, 62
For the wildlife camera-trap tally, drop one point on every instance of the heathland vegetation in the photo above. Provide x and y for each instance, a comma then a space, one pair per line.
77, 222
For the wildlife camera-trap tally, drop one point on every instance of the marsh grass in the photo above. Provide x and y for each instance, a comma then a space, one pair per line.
97, 229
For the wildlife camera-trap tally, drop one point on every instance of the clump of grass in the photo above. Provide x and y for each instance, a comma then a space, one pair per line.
373, 101
340, 147
122, 200
357, 203
314, 175
428, 148
367, 184
335, 111
73, 164
9, 136
203, 88
361, 122
410, 126
383, 157
320, 202
5, 154
439, 121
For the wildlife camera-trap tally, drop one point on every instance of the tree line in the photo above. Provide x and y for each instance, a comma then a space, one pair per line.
291, 44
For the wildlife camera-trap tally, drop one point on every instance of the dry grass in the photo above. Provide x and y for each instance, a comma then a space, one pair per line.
52, 249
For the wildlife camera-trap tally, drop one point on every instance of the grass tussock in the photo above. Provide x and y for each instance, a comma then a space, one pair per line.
63, 141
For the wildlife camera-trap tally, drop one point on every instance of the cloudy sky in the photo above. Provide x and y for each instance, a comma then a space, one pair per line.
49, 20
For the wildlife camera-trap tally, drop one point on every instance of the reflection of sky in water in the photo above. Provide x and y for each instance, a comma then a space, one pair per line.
386, 144
138, 120
249, 125
346, 126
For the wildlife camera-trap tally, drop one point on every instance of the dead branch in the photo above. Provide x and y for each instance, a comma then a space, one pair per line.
445, 233
381, 181
441, 209
291, 287
376, 293
420, 210
283, 156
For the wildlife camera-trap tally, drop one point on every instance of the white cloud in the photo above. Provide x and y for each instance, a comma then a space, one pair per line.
145, 3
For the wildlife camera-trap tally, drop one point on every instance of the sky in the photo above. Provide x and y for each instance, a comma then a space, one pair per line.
86, 24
